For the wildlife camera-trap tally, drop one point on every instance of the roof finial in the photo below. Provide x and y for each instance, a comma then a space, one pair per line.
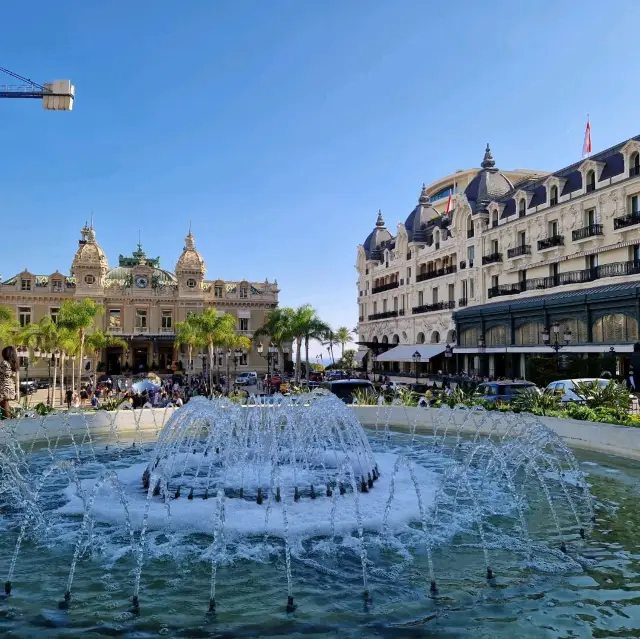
488, 162
380, 221
139, 241
91, 225
424, 196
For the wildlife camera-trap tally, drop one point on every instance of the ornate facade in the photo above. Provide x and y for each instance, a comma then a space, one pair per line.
508, 236
142, 303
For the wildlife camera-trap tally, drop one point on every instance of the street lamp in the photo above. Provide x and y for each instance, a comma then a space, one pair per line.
448, 354
556, 344
416, 360
270, 356
480, 352
374, 359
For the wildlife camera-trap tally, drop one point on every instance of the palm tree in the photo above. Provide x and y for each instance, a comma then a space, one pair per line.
315, 329
214, 330
233, 342
300, 321
342, 336
277, 327
330, 341
49, 341
79, 316
187, 335
8, 325
69, 347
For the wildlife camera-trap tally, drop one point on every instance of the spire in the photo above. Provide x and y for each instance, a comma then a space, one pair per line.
424, 196
488, 162
380, 221
189, 240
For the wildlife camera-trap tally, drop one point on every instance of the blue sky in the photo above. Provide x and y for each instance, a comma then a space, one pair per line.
279, 128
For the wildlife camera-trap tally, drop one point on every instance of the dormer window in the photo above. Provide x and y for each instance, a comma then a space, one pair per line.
522, 208
191, 283
494, 219
89, 279
25, 284
56, 285
591, 181
634, 164
553, 196
436, 237
244, 292
217, 291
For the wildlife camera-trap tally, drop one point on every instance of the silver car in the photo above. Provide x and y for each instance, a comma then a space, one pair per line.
567, 389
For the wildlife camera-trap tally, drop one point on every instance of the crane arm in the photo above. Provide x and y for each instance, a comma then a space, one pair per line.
55, 96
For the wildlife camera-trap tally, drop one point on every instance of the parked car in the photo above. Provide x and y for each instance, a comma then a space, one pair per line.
43, 383
247, 379
502, 391
28, 387
346, 388
567, 389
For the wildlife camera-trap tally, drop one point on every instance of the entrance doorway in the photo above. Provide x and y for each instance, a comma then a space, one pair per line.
140, 360
113, 361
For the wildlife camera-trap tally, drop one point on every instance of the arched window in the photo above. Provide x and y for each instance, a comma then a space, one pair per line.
522, 207
591, 181
469, 226
385, 339
529, 333
436, 238
634, 162
494, 219
420, 338
615, 328
435, 337
451, 337
577, 327
496, 336
553, 196
395, 339
469, 337
375, 339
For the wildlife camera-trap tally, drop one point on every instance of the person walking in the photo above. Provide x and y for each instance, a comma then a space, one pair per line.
8, 380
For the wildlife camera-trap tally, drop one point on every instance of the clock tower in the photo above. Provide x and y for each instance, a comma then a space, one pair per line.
190, 269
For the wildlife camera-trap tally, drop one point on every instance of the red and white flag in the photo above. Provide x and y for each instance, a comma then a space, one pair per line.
586, 147
449, 204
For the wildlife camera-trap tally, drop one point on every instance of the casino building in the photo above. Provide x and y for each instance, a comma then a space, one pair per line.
142, 304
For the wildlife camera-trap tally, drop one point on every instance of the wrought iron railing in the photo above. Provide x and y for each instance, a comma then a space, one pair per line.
626, 220
492, 258
591, 230
429, 275
384, 287
523, 249
385, 315
438, 306
550, 242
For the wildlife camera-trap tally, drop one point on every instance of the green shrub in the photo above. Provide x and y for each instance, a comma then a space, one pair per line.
531, 401
365, 397
611, 395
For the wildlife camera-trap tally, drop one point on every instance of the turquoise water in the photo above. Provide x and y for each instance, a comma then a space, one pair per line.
594, 593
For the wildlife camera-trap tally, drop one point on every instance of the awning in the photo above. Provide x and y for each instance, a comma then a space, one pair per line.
404, 352
360, 355
547, 350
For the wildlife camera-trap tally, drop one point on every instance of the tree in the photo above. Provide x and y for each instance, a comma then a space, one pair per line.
214, 330
78, 317
307, 326
278, 328
187, 334
8, 325
348, 360
342, 336
235, 342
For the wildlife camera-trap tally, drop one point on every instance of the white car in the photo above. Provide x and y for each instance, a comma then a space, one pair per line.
567, 389
247, 379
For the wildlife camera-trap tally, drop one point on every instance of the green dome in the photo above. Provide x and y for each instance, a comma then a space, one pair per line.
124, 273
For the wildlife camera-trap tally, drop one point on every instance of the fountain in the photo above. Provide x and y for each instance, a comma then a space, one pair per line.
295, 483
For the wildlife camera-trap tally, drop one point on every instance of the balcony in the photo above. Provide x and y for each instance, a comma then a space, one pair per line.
518, 251
494, 224
550, 242
626, 220
553, 201
634, 170
385, 315
166, 329
428, 308
593, 230
492, 258
591, 188
470, 233
616, 269
138, 330
429, 275
114, 330
384, 287
462, 302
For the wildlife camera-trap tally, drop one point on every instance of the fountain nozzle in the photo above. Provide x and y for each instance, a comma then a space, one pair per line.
156, 490
329, 491
7, 588
433, 589
369, 480
342, 489
146, 476
278, 497
64, 604
212, 606
135, 605
190, 496
490, 574
206, 494
259, 499
290, 605
363, 485
177, 495
313, 492
563, 547
367, 598
582, 533
296, 494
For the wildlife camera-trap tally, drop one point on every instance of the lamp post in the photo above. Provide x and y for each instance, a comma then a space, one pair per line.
271, 352
237, 356
480, 353
374, 359
556, 344
416, 360
448, 354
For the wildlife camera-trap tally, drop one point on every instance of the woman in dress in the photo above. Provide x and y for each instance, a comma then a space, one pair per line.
8, 377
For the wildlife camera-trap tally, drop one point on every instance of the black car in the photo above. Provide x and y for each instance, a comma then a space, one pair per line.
502, 391
345, 389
